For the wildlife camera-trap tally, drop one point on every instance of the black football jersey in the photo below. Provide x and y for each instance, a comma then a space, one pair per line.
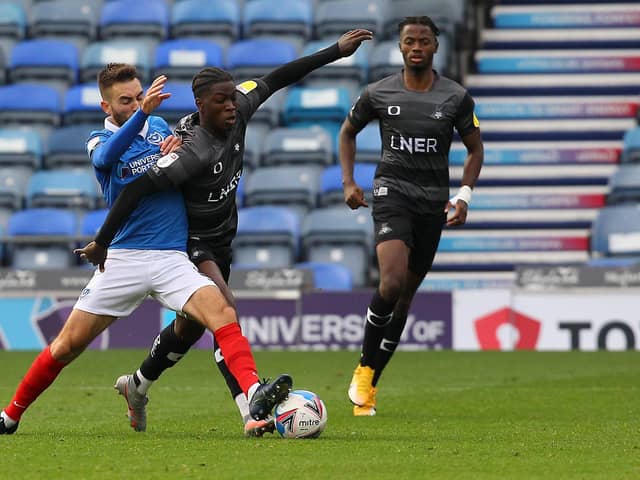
208, 168
416, 129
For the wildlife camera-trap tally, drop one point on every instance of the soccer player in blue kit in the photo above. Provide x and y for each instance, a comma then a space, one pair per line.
417, 110
207, 168
147, 257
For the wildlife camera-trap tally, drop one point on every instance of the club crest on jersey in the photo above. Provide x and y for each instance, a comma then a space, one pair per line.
155, 138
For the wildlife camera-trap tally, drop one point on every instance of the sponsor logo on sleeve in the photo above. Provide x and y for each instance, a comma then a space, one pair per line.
92, 144
167, 160
476, 123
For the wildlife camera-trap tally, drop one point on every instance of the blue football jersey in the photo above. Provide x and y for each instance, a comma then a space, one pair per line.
159, 222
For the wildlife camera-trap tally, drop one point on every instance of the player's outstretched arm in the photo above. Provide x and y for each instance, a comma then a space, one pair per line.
294, 71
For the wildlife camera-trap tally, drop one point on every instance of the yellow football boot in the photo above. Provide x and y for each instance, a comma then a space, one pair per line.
360, 387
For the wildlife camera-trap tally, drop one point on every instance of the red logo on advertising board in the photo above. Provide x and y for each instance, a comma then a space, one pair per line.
487, 327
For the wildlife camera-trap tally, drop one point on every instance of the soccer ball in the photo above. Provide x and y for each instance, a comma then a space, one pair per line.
301, 415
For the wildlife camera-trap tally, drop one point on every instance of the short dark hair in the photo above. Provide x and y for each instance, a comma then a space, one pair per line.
423, 20
115, 73
208, 76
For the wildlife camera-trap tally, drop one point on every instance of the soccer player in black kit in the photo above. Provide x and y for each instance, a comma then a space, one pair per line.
207, 168
417, 110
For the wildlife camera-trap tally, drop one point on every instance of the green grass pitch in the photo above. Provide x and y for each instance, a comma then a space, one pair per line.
440, 415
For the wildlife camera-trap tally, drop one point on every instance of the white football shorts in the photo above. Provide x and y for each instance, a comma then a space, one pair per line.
132, 275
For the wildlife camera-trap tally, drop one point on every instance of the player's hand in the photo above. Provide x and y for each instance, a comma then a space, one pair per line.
93, 253
354, 196
350, 41
155, 96
456, 214
170, 144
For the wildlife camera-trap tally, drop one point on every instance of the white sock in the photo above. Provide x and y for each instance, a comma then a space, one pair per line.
243, 406
8, 421
145, 383
252, 390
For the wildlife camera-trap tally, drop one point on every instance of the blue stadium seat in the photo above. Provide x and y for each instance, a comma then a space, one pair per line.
310, 145
256, 57
217, 20
446, 14
624, 185
321, 104
329, 276
82, 105
98, 54
13, 21
616, 232
331, 191
21, 148
74, 20
340, 235
349, 71
181, 59
369, 144
179, 104
293, 186
631, 146
29, 104
13, 185
335, 17
254, 139
52, 231
68, 146
92, 221
268, 236
64, 188
54, 62
291, 18
3, 66
142, 18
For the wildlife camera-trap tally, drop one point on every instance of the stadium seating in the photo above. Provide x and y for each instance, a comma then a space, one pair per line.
329, 276
20, 148
350, 72
92, 221
335, 17
13, 21
340, 235
82, 105
52, 231
54, 62
255, 57
631, 146
141, 19
268, 236
270, 111
72, 20
217, 20
331, 191
369, 144
98, 54
293, 186
292, 19
179, 104
297, 146
624, 185
445, 13
254, 138
13, 185
616, 232
68, 147
316, 104
62, 188
29, 104
181, 59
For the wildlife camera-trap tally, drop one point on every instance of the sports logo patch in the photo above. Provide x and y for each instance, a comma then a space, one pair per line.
476, 123
167, 160
155, 138
246, 87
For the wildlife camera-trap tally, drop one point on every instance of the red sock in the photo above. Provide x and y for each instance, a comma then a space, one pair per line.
41, 374
237, 355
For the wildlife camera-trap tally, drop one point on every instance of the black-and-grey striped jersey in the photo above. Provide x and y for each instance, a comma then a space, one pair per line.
416, 129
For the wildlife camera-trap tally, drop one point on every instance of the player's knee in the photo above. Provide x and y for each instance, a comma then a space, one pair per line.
64, 349
391, 287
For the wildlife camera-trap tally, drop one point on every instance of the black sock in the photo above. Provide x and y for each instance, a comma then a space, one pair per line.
379, 315
167, 349
232, 383
388, 345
